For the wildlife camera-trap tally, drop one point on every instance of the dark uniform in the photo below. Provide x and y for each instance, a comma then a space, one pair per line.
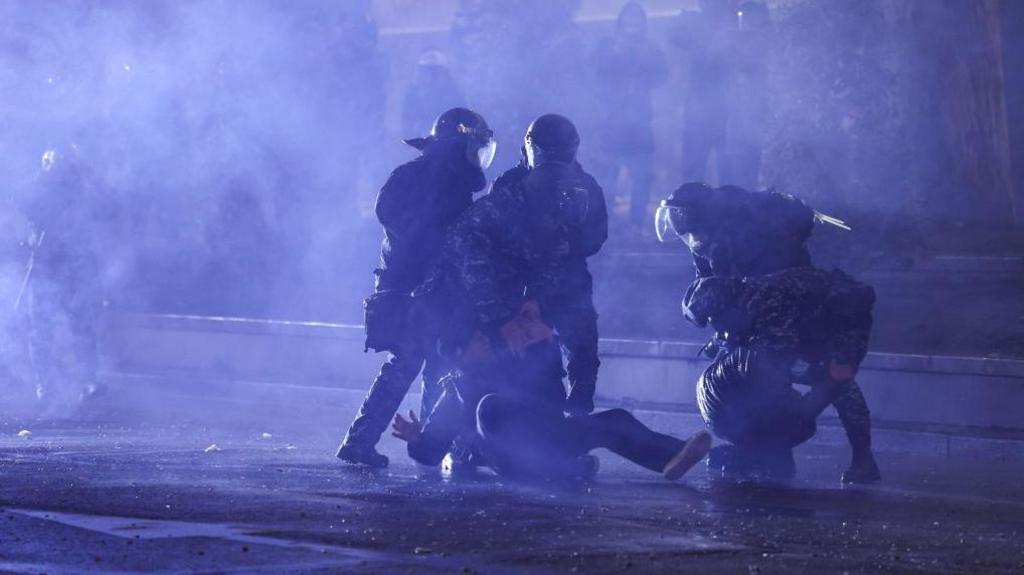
512, 245
530, 238
416, 206
778, 321
777, 330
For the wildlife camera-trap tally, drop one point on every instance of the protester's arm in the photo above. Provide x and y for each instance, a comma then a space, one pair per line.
429, 441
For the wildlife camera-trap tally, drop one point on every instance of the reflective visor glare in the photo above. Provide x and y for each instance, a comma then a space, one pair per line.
663, 224
485, 154
531, 154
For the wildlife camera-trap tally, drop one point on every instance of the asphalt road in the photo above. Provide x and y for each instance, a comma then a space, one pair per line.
112, 498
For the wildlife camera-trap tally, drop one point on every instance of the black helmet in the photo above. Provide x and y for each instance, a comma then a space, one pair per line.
680, 212
461, 124
551, 138
632, 19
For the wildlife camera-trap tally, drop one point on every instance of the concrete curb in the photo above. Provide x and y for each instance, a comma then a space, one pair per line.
967, 392
611, 347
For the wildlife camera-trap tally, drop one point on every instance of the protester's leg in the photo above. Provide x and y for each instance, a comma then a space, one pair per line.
527, 441
619, 432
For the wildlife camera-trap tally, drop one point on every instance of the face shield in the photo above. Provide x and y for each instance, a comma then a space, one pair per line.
669, 225
485, 153
672, 223
531, 153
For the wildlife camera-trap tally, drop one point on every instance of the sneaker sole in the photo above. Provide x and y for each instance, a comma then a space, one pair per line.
691, 454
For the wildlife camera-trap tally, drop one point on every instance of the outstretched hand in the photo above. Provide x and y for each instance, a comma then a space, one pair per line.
408, 430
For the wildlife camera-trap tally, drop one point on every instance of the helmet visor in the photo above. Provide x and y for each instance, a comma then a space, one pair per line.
532, 161
664, 226
485, 153
671, 224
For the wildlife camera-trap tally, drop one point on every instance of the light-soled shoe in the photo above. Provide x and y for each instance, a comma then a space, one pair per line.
691, 454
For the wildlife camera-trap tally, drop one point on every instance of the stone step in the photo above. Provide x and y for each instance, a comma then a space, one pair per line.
968, 392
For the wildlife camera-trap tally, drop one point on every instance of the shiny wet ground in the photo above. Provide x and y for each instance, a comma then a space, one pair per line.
79, 497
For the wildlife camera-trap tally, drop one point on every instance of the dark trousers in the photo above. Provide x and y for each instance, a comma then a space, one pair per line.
639, 164
575, 319
63, 334
631, 148
749, 400
741, 165
698, 144
528, 441
390, 387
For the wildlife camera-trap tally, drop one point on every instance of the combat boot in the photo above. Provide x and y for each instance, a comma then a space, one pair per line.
749, 463
863, 469
362, 455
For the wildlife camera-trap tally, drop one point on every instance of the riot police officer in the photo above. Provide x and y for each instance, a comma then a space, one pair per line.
532, 236
778, 321
416, 206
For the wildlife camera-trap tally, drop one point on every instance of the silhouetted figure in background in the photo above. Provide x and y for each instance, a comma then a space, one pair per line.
416, 206
748, 106
433, 88
707, 37
628, 67
237, 279
74, 219
518, 60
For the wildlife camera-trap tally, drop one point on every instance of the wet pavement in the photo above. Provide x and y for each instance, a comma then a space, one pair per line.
270, 497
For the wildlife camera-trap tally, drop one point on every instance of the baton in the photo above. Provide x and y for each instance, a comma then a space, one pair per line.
28, 270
